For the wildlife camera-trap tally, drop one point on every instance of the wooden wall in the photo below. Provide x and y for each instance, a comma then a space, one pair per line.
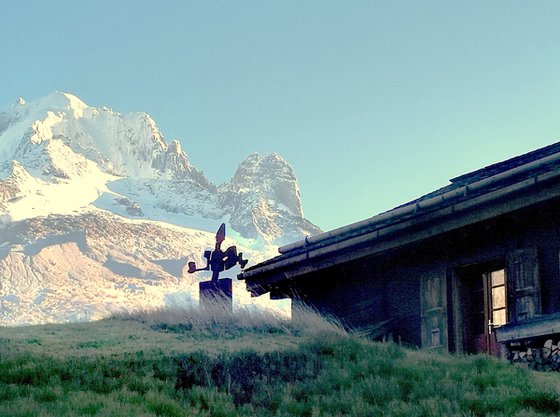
372, 289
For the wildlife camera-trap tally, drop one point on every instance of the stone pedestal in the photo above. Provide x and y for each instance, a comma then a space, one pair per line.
212, 295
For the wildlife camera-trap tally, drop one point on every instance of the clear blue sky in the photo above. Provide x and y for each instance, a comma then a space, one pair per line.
373, 103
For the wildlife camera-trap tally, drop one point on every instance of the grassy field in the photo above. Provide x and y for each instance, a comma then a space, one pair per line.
191, 364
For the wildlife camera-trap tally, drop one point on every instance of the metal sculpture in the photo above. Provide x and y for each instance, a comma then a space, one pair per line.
218, 261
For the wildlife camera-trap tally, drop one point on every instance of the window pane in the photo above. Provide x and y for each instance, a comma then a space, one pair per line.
499, 297
498, 277
499, 317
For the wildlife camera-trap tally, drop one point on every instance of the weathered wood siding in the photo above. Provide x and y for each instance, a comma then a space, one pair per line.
433, 308
418, 286
355, 296
524, 294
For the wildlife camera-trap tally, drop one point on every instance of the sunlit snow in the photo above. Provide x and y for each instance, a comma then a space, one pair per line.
99, 214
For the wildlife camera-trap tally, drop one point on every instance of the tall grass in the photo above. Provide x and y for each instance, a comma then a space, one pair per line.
325, 373
218, 320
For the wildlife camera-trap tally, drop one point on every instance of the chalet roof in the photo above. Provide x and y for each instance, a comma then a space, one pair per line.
492, 170
493, 186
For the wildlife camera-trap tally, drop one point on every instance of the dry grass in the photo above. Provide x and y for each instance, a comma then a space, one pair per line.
215, 319
168, 331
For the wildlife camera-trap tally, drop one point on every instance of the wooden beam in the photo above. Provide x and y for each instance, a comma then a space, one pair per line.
541, 326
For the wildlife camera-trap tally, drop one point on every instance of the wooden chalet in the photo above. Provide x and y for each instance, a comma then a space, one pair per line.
471, 267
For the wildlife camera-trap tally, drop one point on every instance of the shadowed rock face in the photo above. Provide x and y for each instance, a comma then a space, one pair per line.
9, 186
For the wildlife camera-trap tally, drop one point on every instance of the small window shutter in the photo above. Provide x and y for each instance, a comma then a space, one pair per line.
433, 300
524, 295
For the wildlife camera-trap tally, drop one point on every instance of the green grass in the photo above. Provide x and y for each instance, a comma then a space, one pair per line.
249, 364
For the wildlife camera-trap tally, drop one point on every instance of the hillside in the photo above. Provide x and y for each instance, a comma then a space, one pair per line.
247, 365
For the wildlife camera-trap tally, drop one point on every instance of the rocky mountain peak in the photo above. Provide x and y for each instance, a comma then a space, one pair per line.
98, 212
272, 178
59, 138
174, 147
174, 163
263, 199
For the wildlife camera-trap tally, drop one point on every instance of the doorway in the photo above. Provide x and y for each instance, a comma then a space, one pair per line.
483, 307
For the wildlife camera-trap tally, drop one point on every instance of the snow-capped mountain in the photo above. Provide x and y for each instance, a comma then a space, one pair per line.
99, 213
263, 199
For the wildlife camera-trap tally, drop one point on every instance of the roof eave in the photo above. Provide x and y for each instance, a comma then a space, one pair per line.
418, 225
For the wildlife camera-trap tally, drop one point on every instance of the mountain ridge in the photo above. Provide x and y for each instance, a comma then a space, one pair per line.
64, 139
67, 167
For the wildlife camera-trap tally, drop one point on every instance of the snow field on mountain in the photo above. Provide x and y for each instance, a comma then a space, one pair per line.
98, 213
39, 198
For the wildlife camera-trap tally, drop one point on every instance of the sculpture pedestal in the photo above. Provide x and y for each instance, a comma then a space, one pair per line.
216, 295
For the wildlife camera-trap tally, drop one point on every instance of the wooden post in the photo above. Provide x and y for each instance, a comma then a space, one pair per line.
213, 293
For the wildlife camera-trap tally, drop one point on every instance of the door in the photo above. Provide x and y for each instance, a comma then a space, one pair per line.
484, 307
433, 299
492, 296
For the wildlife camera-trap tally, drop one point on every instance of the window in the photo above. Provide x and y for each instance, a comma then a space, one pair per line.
497, 308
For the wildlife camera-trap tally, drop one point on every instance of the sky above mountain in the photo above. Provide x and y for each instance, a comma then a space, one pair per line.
372, 103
